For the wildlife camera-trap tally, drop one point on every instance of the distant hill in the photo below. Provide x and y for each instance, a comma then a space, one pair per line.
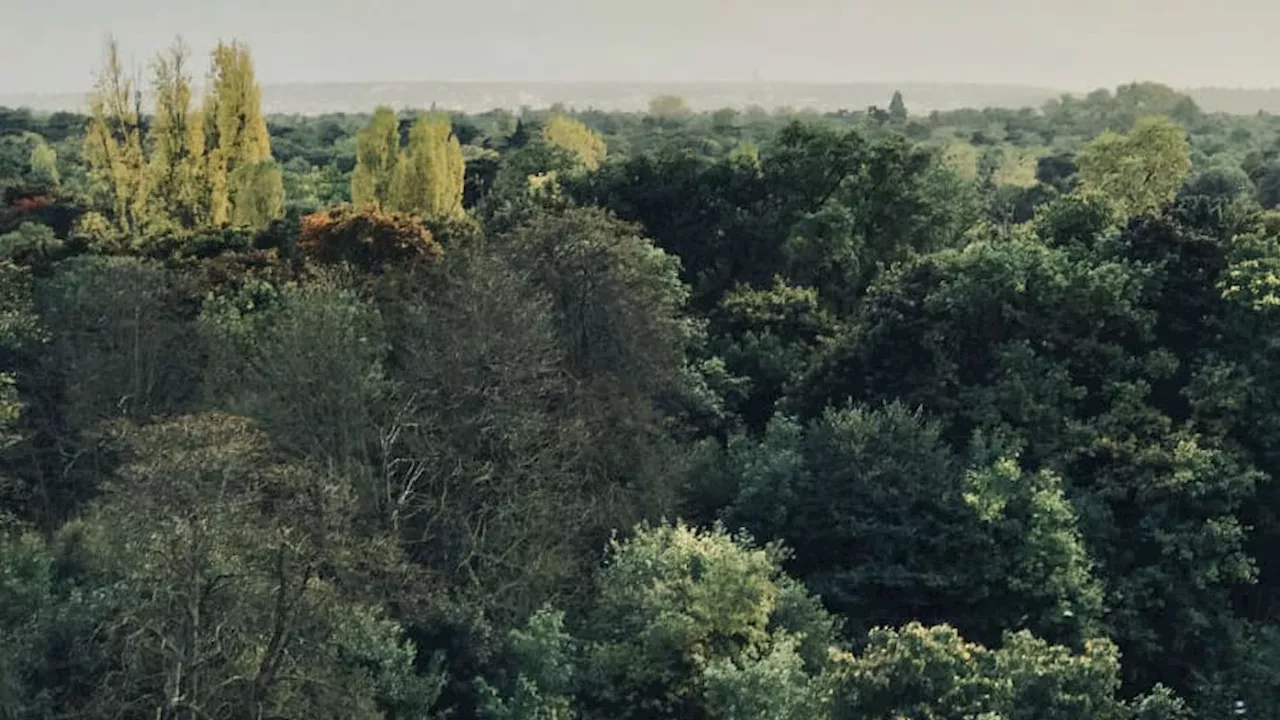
317, 98
1237, 101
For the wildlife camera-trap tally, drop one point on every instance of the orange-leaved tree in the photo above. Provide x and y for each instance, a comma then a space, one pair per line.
367, 238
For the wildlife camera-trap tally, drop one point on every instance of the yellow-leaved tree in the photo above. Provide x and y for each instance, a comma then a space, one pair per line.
179, 188
244, 183
1016, 168
257, 194
44, 163
572, 135
963, 159
425, 178
113, 142
201, 167
429, 175
1140, 171
377, 151
669, 106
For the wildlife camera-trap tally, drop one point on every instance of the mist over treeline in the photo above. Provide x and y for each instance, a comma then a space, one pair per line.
355, 97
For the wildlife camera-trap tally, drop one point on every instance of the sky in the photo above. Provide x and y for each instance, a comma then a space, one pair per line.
1073, 45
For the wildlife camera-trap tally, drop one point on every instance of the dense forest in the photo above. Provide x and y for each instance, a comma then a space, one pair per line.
551, 414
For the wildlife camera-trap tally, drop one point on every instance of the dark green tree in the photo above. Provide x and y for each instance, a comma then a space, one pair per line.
897, 108
876, 505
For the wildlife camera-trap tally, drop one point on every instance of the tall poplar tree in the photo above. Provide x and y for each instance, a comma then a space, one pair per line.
377, 152
179, 185
236, 135
429, 175
257, 194
113, 142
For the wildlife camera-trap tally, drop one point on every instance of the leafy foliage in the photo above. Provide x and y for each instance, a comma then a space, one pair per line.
1140, 171
233, 568
854, 490
695, 624
931, 672
572, 135
428, 176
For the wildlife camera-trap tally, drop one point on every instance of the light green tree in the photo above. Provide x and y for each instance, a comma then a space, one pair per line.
669, 106
566, 132
44, 164
257, 194
961, 158
746, 155
1140, 171
703, 624
1015, 168
932, 672
177, 165
235, 131
377, 151
113, 143
30, 240
429, 174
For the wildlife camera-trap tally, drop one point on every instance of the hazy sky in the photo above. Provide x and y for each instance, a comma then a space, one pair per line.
52, 45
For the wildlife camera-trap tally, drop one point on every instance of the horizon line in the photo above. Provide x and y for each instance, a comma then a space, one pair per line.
901, 83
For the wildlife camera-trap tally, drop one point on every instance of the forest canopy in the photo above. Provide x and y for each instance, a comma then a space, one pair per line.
557, 414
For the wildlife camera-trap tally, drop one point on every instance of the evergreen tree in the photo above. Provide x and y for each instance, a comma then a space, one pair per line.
519, 136
897, 108
377, 153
